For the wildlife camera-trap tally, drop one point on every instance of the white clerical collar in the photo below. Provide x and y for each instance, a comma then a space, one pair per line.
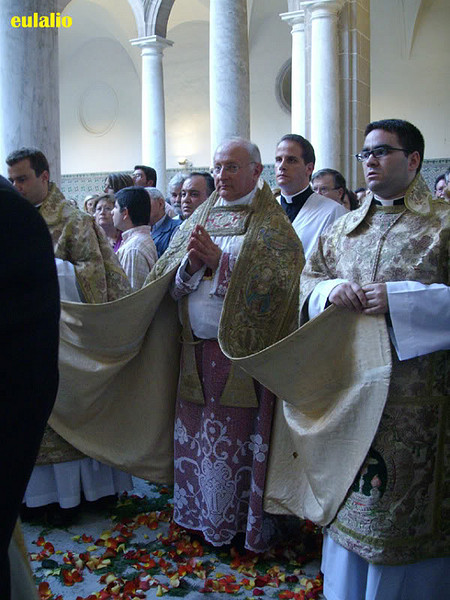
244, 200
389, 202
289, 198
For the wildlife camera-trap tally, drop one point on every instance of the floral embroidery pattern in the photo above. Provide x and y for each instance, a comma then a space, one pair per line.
221, 457
395, 512
217, 497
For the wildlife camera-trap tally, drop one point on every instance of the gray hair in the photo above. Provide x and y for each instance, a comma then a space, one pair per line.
154, 194
177, 181
252, 149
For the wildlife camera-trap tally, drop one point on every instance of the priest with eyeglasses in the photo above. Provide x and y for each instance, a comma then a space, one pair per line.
390, 537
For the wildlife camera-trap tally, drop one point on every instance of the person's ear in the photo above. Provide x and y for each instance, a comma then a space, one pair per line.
413, 160
258, 169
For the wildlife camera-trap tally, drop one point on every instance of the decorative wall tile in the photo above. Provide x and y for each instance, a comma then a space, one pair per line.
77, 187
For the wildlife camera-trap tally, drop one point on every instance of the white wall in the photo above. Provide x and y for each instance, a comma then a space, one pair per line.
100, 91
270, 44
186, 87
98, 64
414, 87
186, 80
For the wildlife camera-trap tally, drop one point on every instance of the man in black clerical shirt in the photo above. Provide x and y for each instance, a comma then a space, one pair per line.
309, 213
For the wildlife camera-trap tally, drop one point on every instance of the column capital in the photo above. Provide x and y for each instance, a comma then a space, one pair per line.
295, 18
152, 44
323, 8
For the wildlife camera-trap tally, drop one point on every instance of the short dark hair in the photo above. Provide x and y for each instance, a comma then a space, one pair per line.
118, 181
149, 172
210, 186
137, 201
408, 135
38, 161
339, 179
309, 155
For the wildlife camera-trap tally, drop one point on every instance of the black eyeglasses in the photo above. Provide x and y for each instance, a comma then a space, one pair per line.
378, 152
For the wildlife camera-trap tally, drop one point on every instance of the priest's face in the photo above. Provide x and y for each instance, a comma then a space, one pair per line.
235, 172
389, 176
32, 187
291, 171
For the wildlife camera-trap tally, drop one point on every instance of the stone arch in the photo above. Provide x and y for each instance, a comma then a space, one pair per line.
61, 4
410, 16
151, 16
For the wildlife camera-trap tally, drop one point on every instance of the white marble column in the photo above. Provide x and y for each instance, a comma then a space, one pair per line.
298, 94
228, 71
153, 107
29, 84
325, 115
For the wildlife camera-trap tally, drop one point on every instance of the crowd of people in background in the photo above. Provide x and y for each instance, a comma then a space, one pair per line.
224, 418
187, 190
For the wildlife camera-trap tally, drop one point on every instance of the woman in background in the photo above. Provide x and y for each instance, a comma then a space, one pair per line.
103, 217
89, 204
116, 181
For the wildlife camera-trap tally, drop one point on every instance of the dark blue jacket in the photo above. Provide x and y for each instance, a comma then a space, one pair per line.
163, 234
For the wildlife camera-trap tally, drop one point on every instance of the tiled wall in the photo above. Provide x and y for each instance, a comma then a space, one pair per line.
432, 168
77, 187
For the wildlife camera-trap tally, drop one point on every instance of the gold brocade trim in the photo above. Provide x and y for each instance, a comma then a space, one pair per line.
190, 385
382, 239
55, 449
418, 199
77, 239
388, 210
261, 304
228, 220
179, 242
51, 209
239, 389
